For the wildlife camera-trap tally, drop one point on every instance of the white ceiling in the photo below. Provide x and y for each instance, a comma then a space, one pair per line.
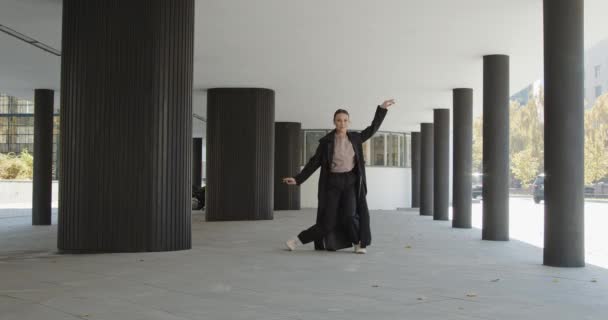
320, 55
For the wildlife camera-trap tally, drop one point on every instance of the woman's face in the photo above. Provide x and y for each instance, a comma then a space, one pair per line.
341, 122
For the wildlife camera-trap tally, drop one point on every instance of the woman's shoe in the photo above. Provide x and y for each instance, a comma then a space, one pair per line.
292, 243
360, 250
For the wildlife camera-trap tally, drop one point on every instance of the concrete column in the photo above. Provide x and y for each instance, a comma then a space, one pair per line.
564, 133
240, 154
463, 157
441, 172
126, 125
415, 152
426, 169
197, 161
495, 148
43, 157
287, 151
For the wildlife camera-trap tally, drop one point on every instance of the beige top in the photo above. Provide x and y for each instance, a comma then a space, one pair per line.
344, 155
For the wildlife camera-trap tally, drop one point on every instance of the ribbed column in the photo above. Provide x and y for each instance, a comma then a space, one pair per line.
197, 161
426, 169
415, 152
495, 148
43, 156
441, 171
126, 126
240, 154
463, 157
287, 154
564, 133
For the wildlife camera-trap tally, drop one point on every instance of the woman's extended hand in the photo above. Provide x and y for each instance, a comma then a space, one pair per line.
289, 180
387, 103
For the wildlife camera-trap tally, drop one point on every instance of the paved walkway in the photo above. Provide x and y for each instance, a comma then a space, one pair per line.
416, 269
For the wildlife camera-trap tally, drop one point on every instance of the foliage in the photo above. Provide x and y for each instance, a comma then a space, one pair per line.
14, 166
596, 141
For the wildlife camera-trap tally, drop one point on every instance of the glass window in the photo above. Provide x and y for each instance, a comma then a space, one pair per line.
407, 151
378, 150
3, 138
392, 148
366, 152
598, 91
311, 142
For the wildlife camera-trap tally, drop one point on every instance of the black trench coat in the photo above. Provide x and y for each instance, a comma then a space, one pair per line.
323, 158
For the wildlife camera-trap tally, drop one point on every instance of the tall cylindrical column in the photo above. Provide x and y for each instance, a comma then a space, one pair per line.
426, 169
463, 157
287, 157
126, 125
495, 148
441, 172
240, 154
43, 156
415, 152
564, 133
197, 161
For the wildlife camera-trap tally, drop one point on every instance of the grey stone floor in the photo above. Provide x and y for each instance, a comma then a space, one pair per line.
416, 269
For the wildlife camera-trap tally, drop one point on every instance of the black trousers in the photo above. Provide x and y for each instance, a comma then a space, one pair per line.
340, 208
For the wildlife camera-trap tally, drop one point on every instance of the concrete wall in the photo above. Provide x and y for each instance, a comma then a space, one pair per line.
20, 192
388, 188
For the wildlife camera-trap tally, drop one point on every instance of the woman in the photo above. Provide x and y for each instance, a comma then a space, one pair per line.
342, 183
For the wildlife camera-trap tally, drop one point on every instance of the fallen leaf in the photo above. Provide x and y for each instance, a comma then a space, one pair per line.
471, 295
495, 280
421, 298
555, 281
594, 280
408, 247
375, 286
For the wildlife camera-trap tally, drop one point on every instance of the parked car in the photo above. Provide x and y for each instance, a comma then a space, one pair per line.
538, 188
477, 182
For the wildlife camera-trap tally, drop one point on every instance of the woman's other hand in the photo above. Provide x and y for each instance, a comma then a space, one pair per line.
387, 103
289, 180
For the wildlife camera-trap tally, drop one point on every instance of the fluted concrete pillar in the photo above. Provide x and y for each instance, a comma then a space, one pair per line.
441, 171
564, 133
495, 148
415, 152
287, 158
126, 125
240, 154
463, 157
43, 156
426, 169
197, 161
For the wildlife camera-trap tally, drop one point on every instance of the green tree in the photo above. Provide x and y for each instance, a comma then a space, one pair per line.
596, 141
526, 139
477, 144
525, 165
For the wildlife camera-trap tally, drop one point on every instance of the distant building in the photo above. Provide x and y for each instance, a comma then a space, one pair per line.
596, 72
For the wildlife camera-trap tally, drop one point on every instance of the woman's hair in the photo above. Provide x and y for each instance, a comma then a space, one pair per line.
341, 111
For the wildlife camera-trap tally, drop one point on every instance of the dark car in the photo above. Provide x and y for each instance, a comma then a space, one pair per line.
477, 187
538, 188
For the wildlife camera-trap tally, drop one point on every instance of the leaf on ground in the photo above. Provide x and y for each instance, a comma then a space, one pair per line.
471, 295
421, 298
408, 247
555, 280
375, 286
495, 280
594, 280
